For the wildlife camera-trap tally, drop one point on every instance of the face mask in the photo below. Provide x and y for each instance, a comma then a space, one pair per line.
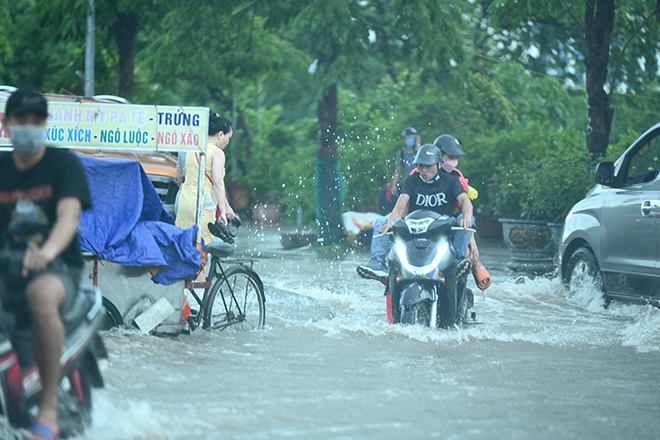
28, 139
428, 182
449, 165
410, 142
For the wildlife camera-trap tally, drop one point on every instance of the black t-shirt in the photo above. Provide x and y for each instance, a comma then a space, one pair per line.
404, 159
439, 196
59, 174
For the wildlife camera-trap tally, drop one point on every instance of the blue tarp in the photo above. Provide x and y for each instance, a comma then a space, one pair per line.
128, 225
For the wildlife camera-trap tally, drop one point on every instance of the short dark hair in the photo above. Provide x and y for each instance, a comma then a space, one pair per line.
218, 124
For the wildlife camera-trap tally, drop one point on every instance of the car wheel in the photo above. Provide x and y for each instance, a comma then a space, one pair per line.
582, 275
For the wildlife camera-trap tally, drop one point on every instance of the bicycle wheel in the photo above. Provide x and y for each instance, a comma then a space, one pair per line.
236, 301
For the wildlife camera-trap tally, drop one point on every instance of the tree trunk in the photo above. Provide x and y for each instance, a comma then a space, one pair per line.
126, 29
328, 178
599, 22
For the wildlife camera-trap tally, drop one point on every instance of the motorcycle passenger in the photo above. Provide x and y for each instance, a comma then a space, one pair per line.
403, 166
52, 183
404, 159
429, 187
451, 151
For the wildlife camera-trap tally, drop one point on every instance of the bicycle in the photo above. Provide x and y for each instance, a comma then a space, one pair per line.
233, 297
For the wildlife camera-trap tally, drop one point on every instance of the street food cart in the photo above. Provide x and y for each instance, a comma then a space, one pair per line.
134, 253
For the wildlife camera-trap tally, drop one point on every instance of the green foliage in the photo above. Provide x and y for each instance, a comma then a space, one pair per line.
539, 98
546, 184
625, 141
216, 47
443, 66
5, 27
371, 126
493, 106
279, 169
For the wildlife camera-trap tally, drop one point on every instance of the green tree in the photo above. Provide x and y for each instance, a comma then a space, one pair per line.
49, 41
5, 27
348, 40
612, 39
213, 55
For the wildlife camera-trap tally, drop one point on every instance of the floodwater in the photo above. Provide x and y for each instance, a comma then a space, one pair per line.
542, 365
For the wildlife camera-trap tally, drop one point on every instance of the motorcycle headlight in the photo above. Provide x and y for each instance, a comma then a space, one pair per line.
440, 259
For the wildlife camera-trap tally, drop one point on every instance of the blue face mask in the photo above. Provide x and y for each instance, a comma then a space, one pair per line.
428, 182
410, 142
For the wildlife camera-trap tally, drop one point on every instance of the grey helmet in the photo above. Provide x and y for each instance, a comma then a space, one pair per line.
449, 145
428, 154
408, 131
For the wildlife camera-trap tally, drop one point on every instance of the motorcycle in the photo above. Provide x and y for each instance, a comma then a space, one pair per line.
425, 286
20, 384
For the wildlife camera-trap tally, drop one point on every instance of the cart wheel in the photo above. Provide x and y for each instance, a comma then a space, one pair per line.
112, 317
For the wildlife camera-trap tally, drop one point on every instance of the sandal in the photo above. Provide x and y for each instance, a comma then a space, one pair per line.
41, 431
481, 276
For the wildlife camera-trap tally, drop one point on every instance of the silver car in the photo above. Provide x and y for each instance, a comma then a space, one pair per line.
611, 236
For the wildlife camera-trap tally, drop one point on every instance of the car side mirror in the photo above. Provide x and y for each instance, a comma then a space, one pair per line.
605, 173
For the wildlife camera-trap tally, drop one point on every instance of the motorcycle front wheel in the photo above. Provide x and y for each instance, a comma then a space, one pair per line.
446, 309
417, 314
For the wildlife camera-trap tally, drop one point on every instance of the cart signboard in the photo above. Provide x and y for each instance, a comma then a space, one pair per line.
105, 126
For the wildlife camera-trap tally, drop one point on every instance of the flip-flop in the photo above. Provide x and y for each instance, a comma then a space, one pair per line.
40, 431
481, 276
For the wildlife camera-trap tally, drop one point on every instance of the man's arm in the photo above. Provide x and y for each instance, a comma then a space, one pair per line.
395, 179
400, 210
61, 235
466, 208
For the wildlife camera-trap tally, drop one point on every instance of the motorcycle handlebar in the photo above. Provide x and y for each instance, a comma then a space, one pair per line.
458, 228
455, 228
11, 261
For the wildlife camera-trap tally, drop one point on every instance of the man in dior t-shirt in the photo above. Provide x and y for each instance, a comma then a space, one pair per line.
427, 189
438, 194
434, 191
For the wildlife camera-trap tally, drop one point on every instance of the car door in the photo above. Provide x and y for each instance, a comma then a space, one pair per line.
630, 218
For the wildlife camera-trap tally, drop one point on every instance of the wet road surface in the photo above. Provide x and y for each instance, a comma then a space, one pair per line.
542, 365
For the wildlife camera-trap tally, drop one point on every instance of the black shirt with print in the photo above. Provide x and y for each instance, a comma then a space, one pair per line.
438, 196
58, 175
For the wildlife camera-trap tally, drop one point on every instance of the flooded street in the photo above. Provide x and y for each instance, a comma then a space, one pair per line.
328, 365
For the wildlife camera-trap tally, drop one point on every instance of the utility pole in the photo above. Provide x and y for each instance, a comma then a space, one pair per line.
234, 153
259, 112
90, 49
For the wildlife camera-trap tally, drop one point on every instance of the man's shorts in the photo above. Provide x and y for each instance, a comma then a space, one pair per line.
14, 300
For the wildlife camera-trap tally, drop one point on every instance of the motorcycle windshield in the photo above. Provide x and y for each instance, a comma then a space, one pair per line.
426, 224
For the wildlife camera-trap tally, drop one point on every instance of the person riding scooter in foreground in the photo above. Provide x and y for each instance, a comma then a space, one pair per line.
431, 190
53, 183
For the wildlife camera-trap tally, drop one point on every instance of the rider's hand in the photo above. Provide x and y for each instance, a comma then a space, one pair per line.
393, 190
466, 223
35, 260
223, 219
386, 227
